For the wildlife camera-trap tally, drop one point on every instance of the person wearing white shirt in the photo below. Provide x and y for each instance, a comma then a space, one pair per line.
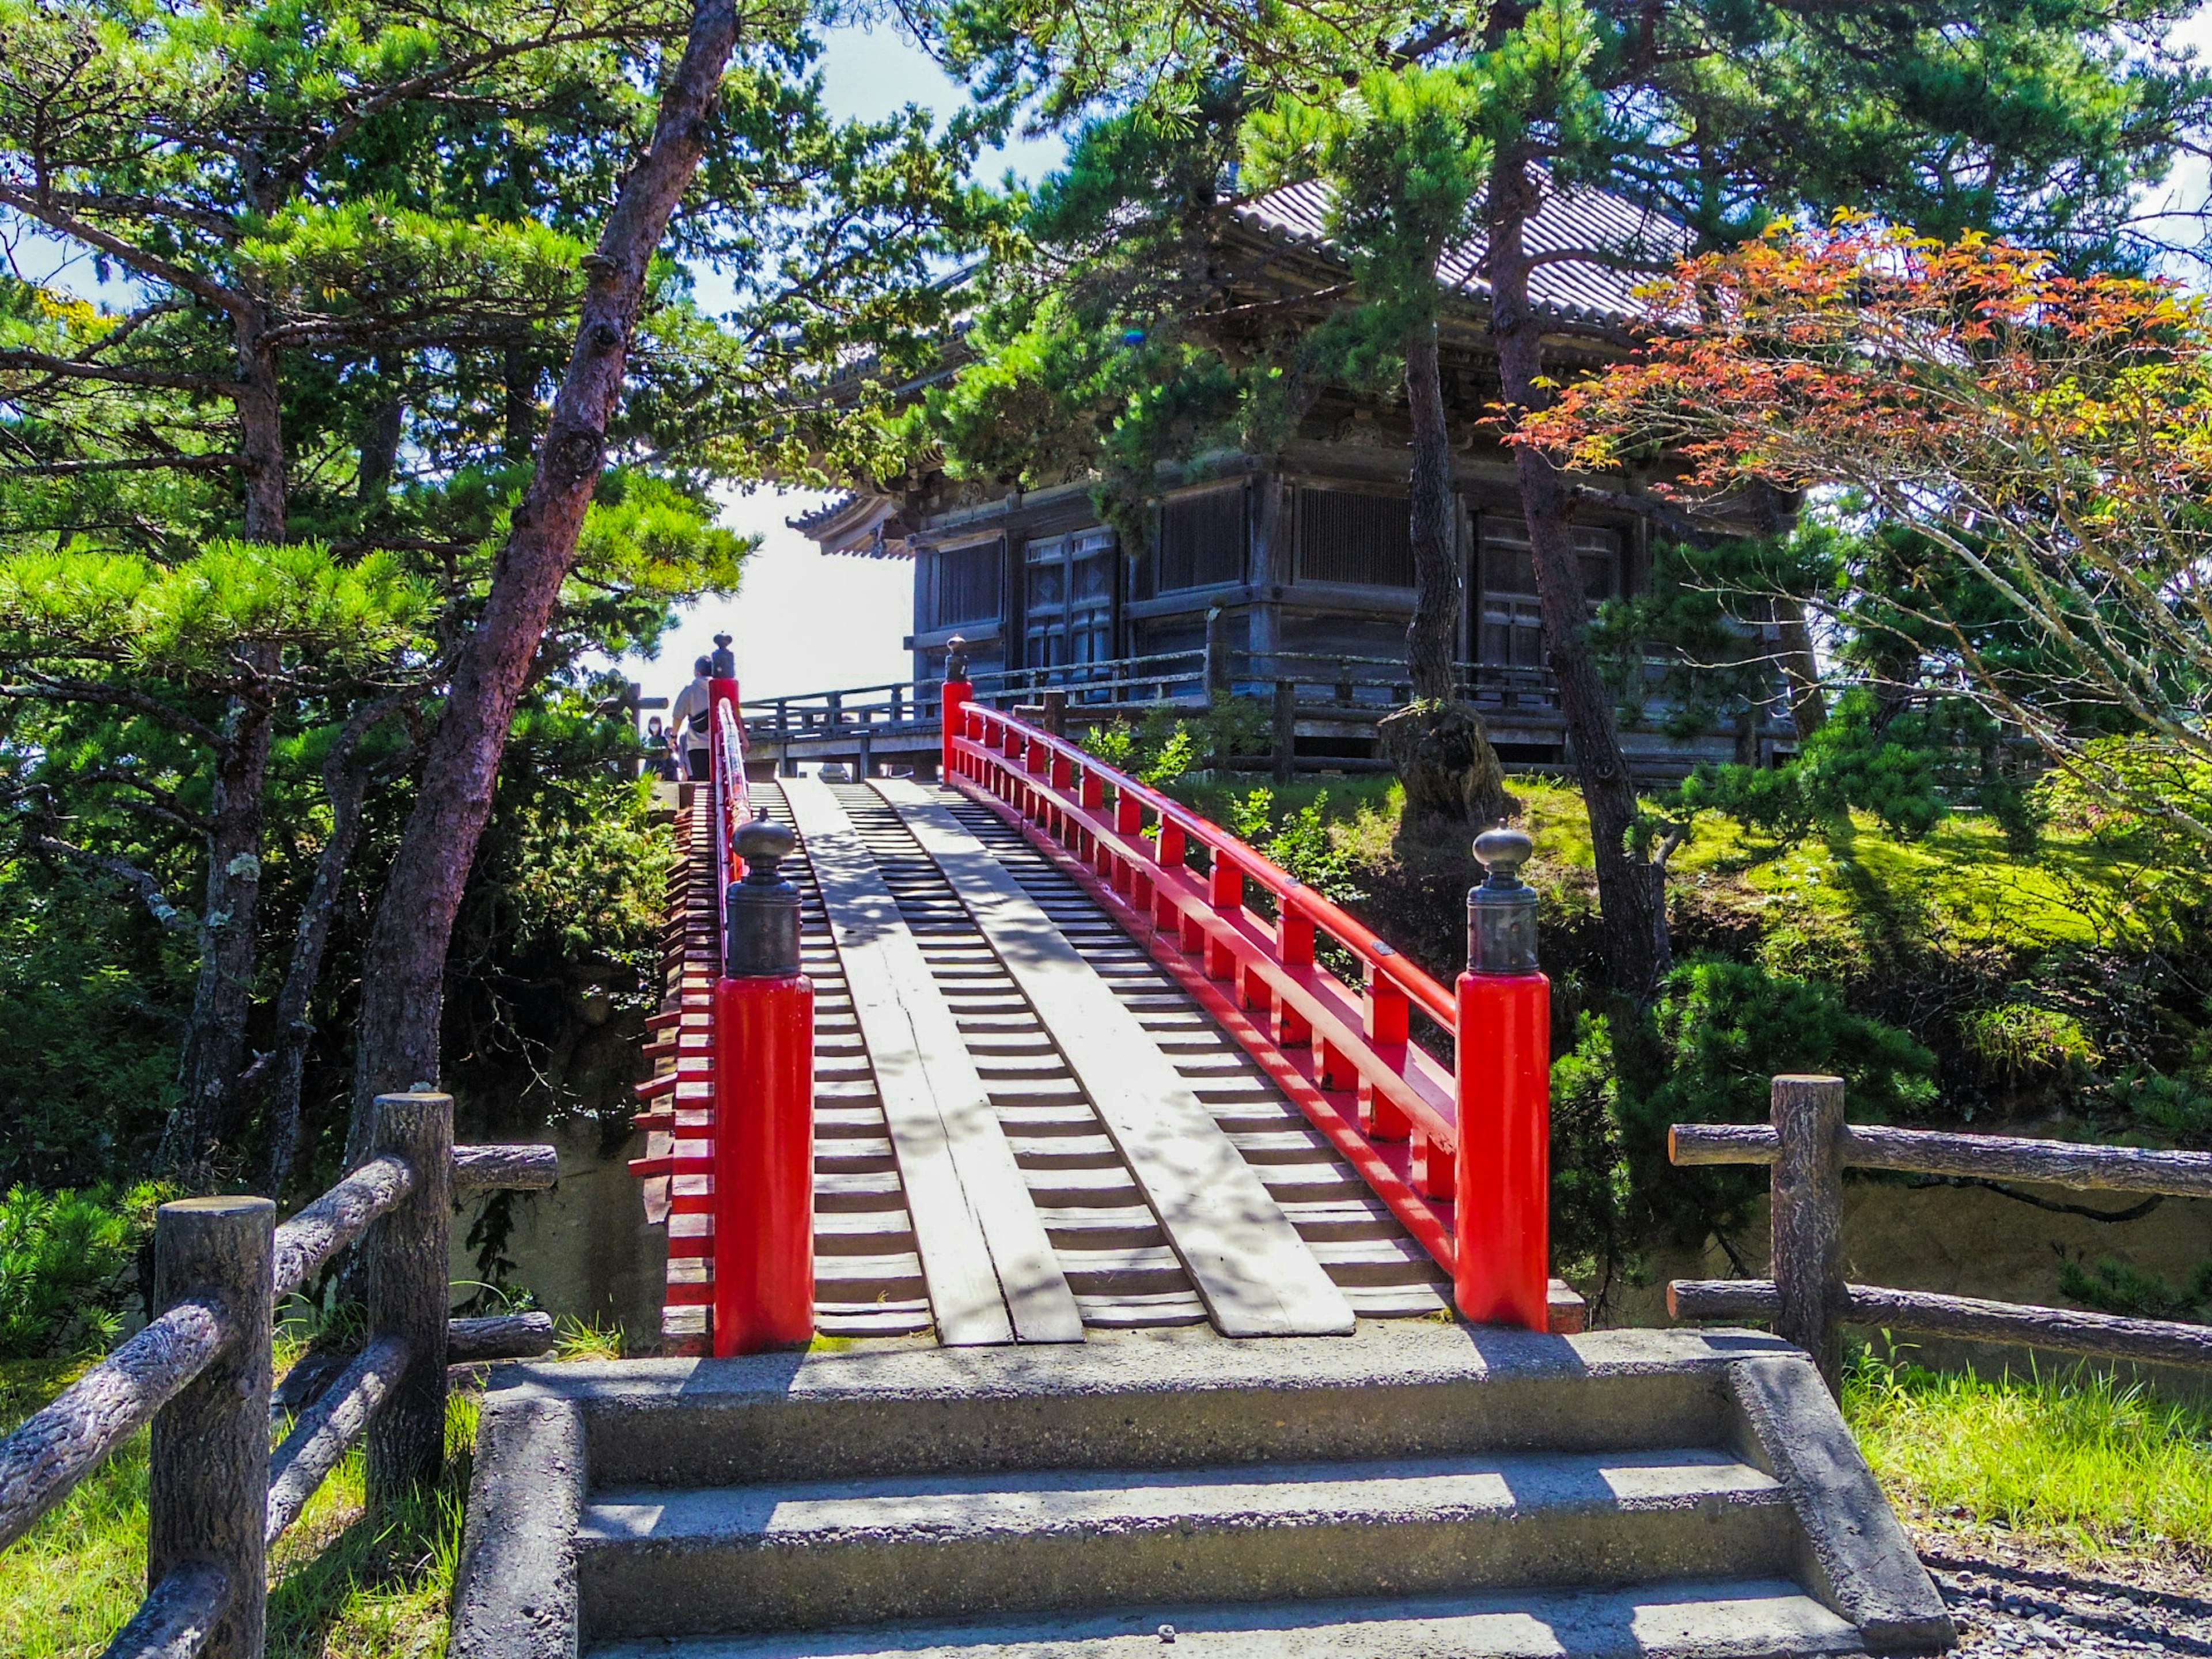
692, 713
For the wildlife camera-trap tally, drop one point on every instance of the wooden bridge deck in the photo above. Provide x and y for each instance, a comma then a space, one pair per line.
1025, 1129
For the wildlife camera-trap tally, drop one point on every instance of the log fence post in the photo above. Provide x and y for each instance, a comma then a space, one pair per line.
1286, 731
209, 1479
1807, 1114
406, 1253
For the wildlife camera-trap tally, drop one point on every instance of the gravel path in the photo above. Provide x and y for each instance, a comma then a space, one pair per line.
2013, 1596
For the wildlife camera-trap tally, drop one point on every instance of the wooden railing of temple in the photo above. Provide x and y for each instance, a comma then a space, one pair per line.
200, 1372
1295, 685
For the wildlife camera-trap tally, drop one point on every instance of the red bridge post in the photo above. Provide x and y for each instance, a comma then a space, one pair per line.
952, 719
1502, 1262
763, 1109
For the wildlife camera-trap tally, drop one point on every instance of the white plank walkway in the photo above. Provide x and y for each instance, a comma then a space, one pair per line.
991, 1273
1256, 1275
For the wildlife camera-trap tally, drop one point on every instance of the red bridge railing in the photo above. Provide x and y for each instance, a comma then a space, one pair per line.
752, 1067
1460, 1154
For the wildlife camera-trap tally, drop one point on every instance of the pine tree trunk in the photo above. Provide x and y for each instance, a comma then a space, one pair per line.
346, 783
1631, 902
379, 444
1434, 630
402, 982
222, 996
1438, 746
208, 1117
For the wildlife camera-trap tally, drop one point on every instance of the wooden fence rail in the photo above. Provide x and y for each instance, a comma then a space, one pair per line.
200, 1372
1807, 1300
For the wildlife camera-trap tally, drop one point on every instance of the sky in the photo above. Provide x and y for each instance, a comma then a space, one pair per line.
801, 622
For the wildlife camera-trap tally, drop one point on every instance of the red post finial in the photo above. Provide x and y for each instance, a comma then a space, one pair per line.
958, 693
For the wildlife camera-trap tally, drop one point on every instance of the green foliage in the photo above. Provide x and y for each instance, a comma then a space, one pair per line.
1166, 742
2176, 1107
90, 995
186, 620
1298, 839
1721, 1031
65, 1259
1405, 155
1591, 1191
1154, 749
1851, 762
1728, 1027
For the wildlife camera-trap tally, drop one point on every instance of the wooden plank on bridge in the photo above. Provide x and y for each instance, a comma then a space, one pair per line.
991, 1273
1255, 1274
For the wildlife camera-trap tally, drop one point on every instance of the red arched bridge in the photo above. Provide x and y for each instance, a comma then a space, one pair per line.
1035, 1049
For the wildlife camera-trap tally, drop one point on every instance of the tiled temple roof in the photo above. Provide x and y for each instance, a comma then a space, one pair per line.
1575, 219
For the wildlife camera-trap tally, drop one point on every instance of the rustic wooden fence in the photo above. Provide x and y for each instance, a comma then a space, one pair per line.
1810, 1145
200, 1372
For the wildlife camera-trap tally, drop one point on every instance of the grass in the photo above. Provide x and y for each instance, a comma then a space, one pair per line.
2098, 1467
1960, 888
342, 1587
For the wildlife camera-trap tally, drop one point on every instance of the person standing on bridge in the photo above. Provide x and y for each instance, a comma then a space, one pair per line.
693, 713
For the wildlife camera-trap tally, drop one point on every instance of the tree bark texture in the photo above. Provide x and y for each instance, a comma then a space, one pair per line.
208, 1114
1439, 746
1631, 900
379, 444
346, 783
46, 1456
408, 1255
1434, 630
214, 1056
403, 984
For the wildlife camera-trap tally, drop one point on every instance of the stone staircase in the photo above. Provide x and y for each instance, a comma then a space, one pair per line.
1416, 1489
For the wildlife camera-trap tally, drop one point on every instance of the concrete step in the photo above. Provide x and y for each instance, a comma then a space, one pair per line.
1722, 1619
816, 1554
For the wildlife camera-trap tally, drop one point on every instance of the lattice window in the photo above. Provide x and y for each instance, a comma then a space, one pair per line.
1512, 630
1202, 539
966, 586
1350, 536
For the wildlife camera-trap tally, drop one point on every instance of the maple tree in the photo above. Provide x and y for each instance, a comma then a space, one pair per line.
2046, 437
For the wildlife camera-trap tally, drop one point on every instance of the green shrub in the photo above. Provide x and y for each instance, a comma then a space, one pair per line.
2174, 1107
2115, 1287
2023, 1044
1852, 761
1589, 1176
64, 1264
1721, 1032
1155, 749
1300, 840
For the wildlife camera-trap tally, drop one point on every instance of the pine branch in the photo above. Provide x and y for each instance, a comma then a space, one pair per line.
85, 368
35, 205
206, 463
147, 889
47, 690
